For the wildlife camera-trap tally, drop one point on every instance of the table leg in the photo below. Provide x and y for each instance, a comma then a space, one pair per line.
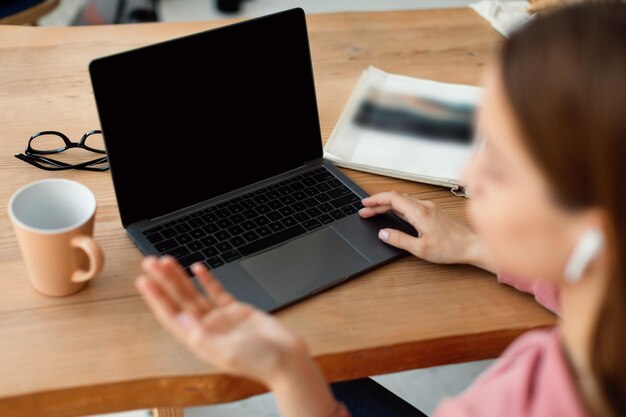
168, 412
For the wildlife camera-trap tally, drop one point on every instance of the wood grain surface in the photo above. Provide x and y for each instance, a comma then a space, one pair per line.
101, 350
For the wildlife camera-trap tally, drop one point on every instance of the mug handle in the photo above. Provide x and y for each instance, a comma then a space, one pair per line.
95, 255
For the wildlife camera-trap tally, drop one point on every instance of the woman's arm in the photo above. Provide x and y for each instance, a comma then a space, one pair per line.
442, 239
546, 293
235, 337
302, 391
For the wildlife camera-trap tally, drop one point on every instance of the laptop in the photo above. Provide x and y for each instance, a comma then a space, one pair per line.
215, 152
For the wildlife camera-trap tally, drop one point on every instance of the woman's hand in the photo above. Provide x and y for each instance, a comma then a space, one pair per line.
442, 239
235, 337
232, 336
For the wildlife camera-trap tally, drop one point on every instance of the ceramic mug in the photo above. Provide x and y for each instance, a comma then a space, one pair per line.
53, 220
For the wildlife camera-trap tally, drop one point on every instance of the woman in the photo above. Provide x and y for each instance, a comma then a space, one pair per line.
546, 203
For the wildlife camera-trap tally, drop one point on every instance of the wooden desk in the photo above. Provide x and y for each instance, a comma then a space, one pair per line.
102, 351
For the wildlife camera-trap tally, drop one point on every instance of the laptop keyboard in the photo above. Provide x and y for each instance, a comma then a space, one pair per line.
255, 221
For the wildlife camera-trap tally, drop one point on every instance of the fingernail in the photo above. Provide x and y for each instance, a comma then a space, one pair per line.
186, 320
362, 210
383, 234
196, 266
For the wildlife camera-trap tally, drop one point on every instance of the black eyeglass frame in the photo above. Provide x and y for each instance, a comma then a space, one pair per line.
68, 143
33, 156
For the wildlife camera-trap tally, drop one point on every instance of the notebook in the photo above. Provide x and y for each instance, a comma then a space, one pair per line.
191, 149
409, 128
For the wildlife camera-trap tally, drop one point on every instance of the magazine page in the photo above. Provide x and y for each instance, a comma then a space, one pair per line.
406, 127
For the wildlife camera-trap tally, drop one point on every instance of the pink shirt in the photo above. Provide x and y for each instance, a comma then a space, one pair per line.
530, 379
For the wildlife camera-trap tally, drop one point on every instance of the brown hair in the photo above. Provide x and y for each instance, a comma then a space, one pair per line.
565, 77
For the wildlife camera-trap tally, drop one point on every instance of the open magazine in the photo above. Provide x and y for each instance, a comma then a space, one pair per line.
406, 128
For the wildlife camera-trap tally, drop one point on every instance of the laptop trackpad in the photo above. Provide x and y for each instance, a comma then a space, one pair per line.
304, 265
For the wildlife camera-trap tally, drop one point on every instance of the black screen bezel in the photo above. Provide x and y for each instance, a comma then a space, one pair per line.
98, 69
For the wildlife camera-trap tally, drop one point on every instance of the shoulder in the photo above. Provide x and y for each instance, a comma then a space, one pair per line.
531, 378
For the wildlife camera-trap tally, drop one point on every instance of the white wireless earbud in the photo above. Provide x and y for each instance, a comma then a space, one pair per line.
587, 248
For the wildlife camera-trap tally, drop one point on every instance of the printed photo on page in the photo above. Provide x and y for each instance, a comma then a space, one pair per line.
406, 127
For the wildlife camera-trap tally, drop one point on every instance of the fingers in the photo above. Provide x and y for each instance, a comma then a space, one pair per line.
214, 289
401, 204
399, 239
173, 280
159, 303
384, 198
410, 209
366, 212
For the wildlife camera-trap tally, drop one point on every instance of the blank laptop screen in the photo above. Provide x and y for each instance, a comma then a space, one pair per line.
196, 117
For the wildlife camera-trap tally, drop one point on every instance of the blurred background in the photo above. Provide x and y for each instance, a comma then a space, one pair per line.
81, 12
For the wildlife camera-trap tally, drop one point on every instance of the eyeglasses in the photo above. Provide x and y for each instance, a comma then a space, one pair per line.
52, 142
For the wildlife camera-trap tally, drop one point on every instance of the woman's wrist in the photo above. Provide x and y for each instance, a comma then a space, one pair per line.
289, 357
293, 365
301, 389
476, 254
